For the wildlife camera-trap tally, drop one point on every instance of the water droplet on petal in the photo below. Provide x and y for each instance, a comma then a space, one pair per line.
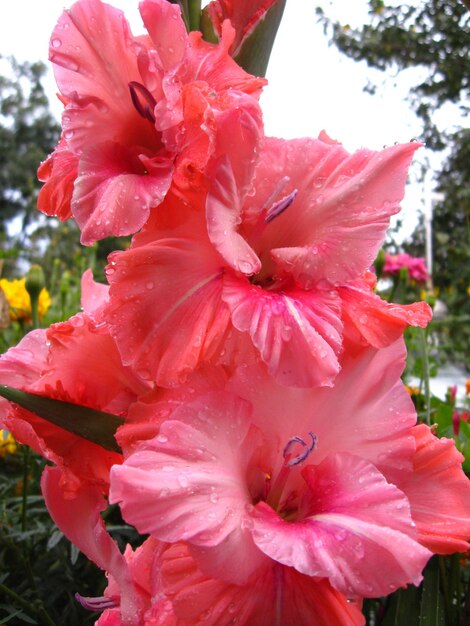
183, 480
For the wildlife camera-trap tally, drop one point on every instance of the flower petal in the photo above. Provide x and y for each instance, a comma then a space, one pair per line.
439, 494
166, 28
188, 482
115, 190
95, 58
297, 333
379, 322
274, 595
156, 289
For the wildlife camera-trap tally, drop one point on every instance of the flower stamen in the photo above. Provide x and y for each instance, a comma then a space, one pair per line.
97, 604
280, 206
308, 448
142, 100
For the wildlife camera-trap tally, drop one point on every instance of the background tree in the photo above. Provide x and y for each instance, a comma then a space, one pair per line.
28, 132
433, 36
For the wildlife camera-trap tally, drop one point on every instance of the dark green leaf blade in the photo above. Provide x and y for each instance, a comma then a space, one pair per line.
256, 50
93, 425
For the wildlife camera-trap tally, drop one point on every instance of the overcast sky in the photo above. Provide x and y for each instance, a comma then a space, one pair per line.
311, 86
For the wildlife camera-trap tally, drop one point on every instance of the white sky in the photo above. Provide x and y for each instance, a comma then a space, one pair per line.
311, 85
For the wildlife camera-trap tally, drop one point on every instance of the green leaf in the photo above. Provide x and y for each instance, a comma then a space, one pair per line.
93, 425
256, 50
403, 608
432, 611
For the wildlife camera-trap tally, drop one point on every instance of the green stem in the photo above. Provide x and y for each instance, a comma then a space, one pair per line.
425, 373
194, 12
24, 505
35, 312
445, 588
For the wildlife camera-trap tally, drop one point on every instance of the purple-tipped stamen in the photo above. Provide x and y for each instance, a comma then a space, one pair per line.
296, 460
97, 604
280, 206
142, 100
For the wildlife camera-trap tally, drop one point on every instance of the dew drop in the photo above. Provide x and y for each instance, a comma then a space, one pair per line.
162, 438
56, 43
183, 480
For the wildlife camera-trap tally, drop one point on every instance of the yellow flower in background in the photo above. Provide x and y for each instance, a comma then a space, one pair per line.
413, 391
7, 443
19, 300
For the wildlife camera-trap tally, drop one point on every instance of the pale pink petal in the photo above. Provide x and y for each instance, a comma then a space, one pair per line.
80, 520
337, 222
167, 30
94, 295
115, 189
234, 560
165, 310
95, 58
357, 530
379, 322
188, 482
274, 595
243, 14
230, 182
296, 332
439, 494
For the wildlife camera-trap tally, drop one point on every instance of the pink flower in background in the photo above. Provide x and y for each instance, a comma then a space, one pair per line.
282, 235
139, 113
416, 266
255, 474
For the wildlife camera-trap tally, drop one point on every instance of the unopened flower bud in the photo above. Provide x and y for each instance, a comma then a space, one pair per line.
35, 282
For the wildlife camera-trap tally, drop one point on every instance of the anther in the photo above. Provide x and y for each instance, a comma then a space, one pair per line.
97, 604
308, 448
280, 206
142, 100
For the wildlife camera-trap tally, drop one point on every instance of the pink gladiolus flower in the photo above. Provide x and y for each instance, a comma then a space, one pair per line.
416, 266
276, 266
139, 113
256, 473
